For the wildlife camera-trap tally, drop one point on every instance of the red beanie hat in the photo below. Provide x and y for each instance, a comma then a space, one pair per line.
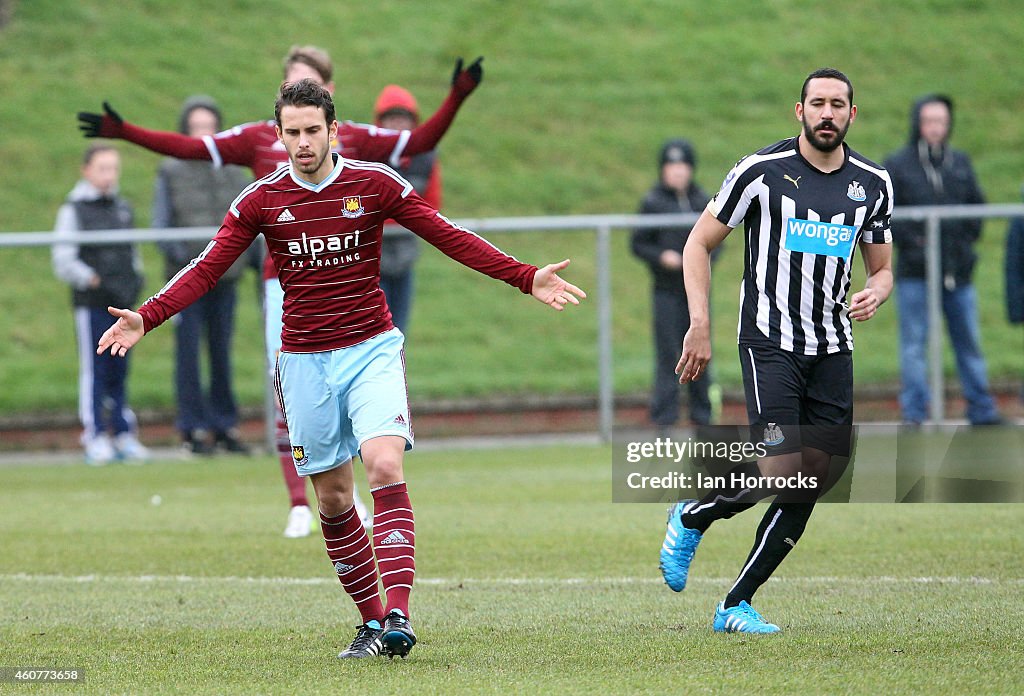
395, 98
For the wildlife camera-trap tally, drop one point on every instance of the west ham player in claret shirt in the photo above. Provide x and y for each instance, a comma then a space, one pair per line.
256, 145
341, 373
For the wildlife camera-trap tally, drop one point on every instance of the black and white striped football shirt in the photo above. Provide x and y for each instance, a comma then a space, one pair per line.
801, 228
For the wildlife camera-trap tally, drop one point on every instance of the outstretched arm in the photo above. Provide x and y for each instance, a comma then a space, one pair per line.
472, 250
123, 333
109, 124
707, 234
552, 290
425, 137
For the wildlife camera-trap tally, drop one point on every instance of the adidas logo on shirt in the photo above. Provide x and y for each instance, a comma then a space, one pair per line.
341, 568
395, 537
286, 216
400, 419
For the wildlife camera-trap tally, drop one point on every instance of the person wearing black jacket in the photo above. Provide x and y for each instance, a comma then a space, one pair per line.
928, 171
661, 248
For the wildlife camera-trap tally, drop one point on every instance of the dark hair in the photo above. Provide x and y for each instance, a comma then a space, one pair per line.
829, 73
304, 93
198, 101
94, 149
312, 56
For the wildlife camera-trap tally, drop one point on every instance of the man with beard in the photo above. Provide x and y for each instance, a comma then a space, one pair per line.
804, 202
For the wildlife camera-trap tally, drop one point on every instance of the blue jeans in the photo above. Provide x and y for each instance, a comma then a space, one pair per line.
960, 307
212, 317
398, 291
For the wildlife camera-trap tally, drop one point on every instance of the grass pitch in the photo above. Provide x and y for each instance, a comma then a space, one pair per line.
529, 581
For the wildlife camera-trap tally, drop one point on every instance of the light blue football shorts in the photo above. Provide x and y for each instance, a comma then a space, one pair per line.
336, 400
273, 314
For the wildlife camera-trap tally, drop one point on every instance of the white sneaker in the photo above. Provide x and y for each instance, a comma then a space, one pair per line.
99, 450
364, 515
300, 522
129, 448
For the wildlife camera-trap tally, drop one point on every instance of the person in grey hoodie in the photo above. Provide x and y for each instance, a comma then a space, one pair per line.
195, 193
928, 171
100, 275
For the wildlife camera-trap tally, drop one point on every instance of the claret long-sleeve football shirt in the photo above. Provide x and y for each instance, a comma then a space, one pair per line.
324, 242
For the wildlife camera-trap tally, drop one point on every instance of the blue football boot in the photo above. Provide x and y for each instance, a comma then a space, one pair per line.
741, 619
679, 547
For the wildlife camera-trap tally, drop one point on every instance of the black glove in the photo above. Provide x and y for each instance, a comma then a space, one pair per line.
106, 125
465, 81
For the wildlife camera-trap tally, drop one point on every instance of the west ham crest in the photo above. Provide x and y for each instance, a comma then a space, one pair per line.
351, 206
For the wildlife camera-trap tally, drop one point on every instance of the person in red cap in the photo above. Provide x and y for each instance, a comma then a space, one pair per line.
396, 109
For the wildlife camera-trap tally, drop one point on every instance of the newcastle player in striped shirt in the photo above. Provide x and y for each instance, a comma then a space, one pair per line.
341, 372
805, 204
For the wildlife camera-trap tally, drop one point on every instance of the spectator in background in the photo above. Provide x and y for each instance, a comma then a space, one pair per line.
195, 193
396, 109
662, 249
1015, 274
927, 171
100, 275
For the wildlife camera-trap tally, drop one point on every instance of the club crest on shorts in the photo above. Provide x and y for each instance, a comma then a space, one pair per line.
773, 435
352, 206
299, 455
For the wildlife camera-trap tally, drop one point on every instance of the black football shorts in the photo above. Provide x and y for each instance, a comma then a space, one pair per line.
796, 401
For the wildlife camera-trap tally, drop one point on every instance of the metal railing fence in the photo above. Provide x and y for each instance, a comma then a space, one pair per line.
603, 226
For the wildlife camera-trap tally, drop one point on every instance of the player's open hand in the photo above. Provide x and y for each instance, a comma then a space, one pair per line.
864, 304
123, 333
696, 354
552, 290
466, 80
105, 125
